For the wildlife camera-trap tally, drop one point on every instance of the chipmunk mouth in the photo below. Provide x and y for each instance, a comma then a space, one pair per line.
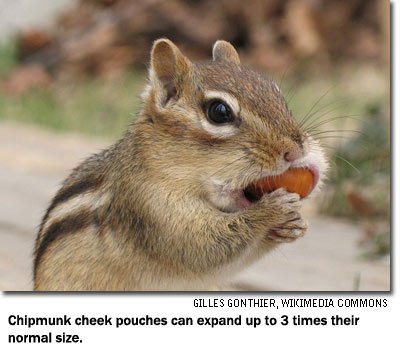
230, 200
307, 180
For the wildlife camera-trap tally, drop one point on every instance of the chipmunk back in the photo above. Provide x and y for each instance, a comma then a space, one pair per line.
169, 206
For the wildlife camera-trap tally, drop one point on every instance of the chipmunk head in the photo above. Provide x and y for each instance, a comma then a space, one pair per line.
220, 126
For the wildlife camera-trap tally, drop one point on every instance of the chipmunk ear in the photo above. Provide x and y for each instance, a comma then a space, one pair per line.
224, 51
168, 67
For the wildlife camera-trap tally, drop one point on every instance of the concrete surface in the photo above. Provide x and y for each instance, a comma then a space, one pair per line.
33, 163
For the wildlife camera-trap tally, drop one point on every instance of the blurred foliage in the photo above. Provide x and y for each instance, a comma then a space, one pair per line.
362, 163
8, 57
98, 36
359, 181
93, 107
381, 244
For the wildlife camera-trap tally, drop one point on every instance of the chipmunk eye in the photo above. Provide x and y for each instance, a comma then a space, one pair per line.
219, 113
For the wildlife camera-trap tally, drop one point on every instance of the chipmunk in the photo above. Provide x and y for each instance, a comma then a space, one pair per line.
167, 207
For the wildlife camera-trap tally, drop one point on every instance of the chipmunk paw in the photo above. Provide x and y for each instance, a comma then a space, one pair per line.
288, 231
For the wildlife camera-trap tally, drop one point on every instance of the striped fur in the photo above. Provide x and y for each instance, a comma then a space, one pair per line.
64, 195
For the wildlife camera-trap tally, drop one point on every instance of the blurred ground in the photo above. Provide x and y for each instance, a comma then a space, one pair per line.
33, 163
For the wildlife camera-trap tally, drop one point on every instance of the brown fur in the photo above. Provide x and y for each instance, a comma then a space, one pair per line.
138, 216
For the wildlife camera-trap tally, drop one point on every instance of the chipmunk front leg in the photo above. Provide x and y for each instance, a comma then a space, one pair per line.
214, 238
294, 226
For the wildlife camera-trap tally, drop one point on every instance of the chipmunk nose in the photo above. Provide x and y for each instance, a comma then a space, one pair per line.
293, 155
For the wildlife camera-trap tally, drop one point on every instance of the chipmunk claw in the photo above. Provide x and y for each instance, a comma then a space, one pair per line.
289, 231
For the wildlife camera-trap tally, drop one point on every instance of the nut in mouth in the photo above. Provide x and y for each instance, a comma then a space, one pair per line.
300, 180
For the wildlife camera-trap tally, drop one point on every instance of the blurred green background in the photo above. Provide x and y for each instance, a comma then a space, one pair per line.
84, 72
